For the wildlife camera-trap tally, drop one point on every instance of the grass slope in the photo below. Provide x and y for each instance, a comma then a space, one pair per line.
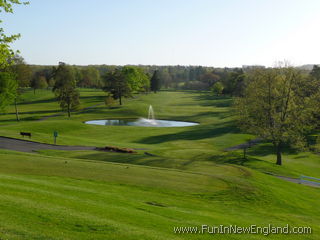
190, 181
47, 198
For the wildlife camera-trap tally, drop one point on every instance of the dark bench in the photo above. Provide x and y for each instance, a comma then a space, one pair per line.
25, 134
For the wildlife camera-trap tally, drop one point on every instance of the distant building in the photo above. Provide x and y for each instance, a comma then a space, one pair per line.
308, 67
250, 67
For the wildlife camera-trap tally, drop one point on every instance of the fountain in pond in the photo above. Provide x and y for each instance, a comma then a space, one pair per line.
151, 113
143, 122
151, 118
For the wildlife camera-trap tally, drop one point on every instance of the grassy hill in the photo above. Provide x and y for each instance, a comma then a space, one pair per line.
189, 181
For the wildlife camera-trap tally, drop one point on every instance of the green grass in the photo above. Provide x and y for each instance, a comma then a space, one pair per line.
78, 199
215, 132
296, 163
43, 103
189, 181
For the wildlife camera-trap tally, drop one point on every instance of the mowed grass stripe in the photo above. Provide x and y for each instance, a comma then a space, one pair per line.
30, 201
191, 181
136, 217
128, 174
61, 211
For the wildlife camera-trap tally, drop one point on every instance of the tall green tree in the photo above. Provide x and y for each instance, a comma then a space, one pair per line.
165, 78
138, 81
89, 77
6, 52
38, 81
279, 105
235, 82
65, 88
123, 82
23, 76
209, 79
22, 71
116, 84
8, 89
144, 81
155, 81
217, 88
8, 83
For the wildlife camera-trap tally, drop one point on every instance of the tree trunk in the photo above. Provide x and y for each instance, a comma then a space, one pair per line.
69, 114
279, 156
120, 100
16, 108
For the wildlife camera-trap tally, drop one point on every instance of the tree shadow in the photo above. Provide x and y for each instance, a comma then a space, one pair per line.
137, 159
185, 91
197, 133
214, 101
220, 115
36, 115
93, 98
235, 158
111, 113
267, 149
49, 100
22, 119
37, 112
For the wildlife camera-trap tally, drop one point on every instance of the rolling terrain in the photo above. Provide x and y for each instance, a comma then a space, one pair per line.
186, 179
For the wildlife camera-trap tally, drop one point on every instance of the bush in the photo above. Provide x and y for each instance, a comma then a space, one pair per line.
110, 101
217, 88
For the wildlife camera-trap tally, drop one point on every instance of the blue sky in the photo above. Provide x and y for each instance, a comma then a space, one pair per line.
167, 32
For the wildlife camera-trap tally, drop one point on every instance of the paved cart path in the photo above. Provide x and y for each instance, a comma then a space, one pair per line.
29, 146
244, 145
295, 180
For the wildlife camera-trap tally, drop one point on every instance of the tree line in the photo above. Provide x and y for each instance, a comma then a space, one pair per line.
64, 80
228, 80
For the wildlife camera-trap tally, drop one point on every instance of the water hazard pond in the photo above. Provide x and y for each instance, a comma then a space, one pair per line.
142, 122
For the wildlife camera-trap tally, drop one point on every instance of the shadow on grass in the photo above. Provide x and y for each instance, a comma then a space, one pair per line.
37, 112
267, 149
110, 113
22, 119
236, 158
220, 115
231, 158
48, 100
214, 101
185, 91
196, 133
35, 115
93, 98
138, 159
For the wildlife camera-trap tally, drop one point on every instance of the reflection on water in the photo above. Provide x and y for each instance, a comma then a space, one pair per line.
142, 122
